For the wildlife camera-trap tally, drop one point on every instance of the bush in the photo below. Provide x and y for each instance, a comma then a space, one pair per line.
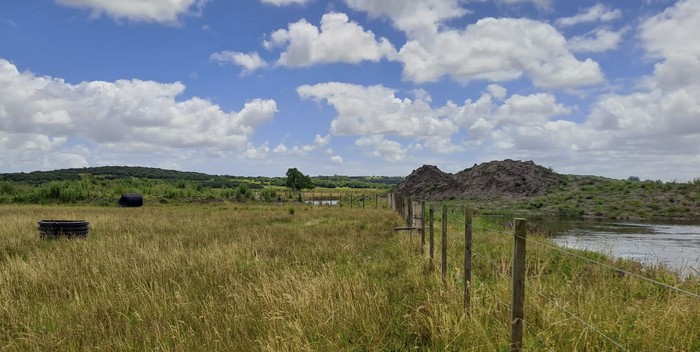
243, 192
268, 194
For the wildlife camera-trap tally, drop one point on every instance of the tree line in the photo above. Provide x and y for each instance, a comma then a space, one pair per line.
102, 185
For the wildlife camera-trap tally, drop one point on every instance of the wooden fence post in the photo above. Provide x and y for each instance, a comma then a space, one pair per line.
467, 259
444, 244
422, 227
432, 232
409, 216
363, 200
516, 322
350, 200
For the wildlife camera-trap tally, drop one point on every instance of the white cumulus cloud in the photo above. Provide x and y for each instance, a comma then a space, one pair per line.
484, 118
249, 61
125, 115
161, 11
257, 153
497, 91
499, 50
388, 150
595, 13
320, 141
544, 4
599, 40
417, 18
666, 116
284, 2
336, 40
336, 159
491, 49
302, 150
377, 110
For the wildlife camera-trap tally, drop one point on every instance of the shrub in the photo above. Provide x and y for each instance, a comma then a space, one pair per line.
268, 194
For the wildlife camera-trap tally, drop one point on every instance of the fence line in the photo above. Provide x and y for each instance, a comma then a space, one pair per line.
517, 316
518, 265
622, 271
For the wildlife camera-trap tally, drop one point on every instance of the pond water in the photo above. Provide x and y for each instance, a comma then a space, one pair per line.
322, 202
675, 245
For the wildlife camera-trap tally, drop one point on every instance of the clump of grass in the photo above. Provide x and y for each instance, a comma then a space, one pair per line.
291, 210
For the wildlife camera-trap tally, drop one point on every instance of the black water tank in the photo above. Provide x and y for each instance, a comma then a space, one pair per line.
131, 200
63, 228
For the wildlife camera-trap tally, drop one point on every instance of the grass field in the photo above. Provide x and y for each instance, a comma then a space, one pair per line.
248, 277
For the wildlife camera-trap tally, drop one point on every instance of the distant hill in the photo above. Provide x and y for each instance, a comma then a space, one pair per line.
121, 172
104, 172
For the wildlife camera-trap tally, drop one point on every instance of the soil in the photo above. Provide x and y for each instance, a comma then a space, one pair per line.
495, 179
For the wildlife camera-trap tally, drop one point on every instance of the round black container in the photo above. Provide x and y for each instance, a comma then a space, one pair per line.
131, 200
63, 228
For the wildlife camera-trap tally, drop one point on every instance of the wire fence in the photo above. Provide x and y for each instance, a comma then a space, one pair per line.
416, 219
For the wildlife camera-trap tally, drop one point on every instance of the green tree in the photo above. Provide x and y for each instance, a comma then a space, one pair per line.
298, 181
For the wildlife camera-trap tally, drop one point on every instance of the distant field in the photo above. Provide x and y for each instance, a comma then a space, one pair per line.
245, 277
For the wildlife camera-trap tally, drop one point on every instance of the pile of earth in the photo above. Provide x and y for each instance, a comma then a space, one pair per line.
495, 179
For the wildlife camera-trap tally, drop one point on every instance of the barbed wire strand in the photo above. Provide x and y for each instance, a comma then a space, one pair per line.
582, 321
553, 302
693, 294
656, 282
573, 315
461, 221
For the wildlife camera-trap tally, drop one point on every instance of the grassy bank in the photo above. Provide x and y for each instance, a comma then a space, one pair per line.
288, 278
599, 197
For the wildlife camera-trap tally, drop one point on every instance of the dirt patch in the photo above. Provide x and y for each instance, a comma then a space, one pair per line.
495, 179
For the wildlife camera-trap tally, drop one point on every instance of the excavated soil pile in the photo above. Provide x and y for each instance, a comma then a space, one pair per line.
427, 182
507, 178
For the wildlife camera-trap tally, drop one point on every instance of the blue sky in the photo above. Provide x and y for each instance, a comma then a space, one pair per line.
355, 87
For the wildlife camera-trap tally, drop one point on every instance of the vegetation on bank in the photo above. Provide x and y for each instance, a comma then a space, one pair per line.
609, 198
244, 277
599, 197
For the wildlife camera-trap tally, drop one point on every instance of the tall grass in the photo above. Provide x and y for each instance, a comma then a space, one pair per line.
261, 277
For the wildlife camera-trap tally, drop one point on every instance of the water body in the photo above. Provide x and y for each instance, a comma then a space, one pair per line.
322, 202
675, 245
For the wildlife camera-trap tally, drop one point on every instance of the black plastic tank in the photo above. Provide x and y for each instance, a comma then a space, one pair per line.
63, 228
131, 200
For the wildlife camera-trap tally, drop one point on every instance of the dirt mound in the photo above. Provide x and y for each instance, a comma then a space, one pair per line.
507, 178
511, 178
427, 182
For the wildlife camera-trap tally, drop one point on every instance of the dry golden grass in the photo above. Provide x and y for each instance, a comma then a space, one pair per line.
255, 277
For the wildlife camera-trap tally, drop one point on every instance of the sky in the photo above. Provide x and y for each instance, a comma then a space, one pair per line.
351, 87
